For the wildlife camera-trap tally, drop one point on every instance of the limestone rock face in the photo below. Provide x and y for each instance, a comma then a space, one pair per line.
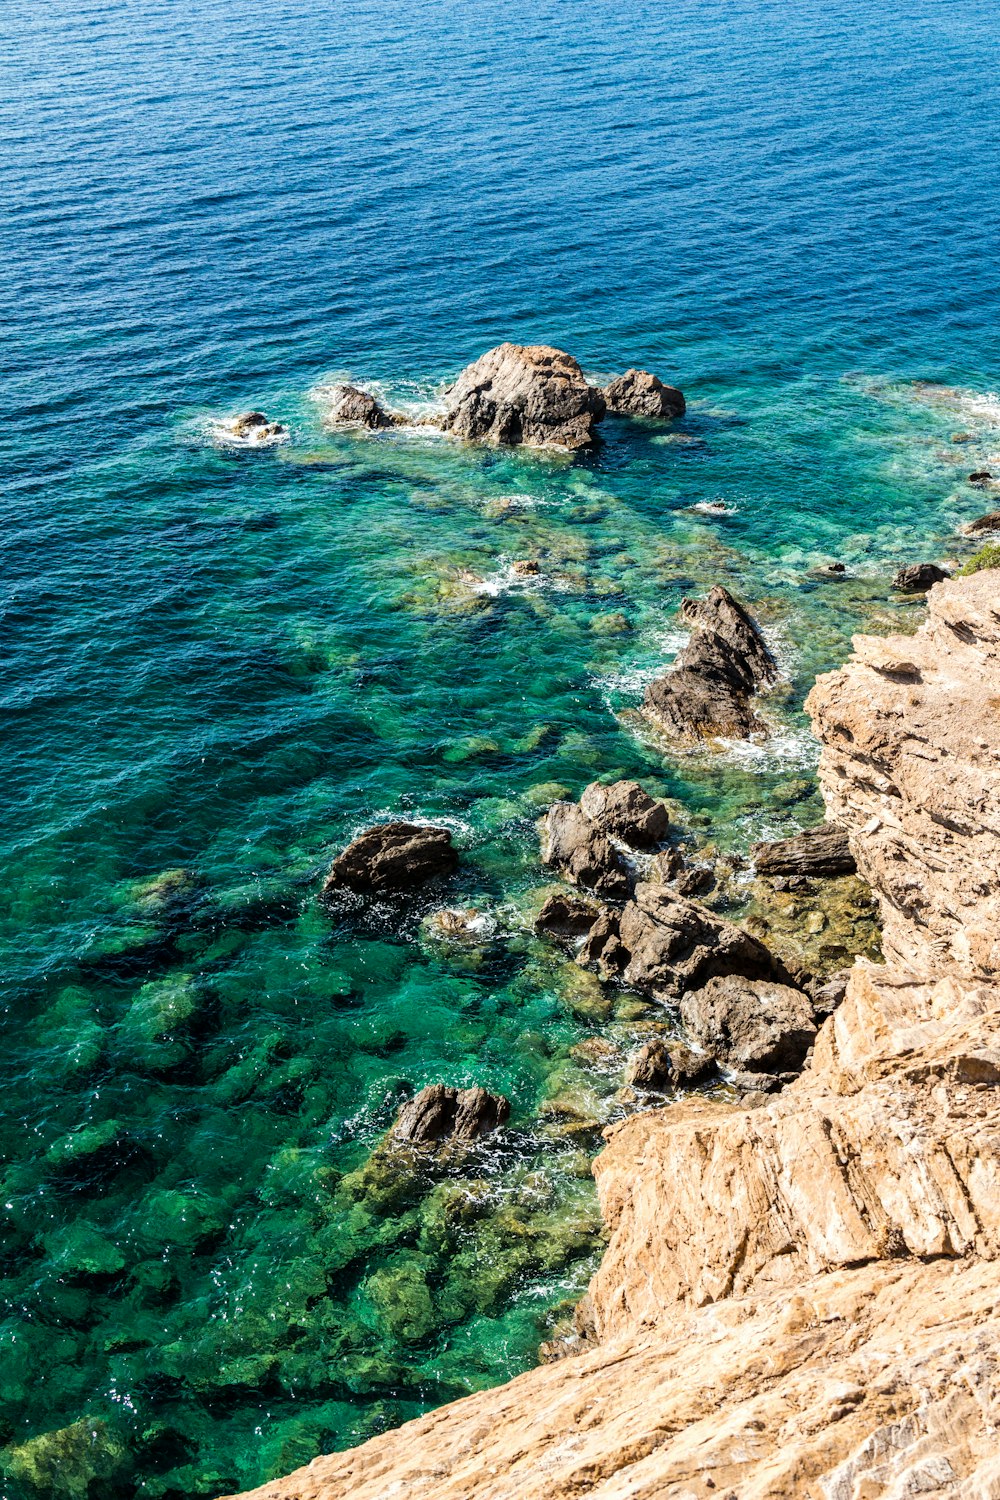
911, 765
529, 394
707, 692
637, 393
393, 857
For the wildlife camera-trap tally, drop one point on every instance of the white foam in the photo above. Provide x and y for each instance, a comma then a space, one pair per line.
714, 508
219, 431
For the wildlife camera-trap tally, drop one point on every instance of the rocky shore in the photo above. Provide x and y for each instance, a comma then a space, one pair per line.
799, 1293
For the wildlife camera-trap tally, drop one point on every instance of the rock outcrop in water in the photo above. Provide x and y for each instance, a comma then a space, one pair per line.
351, 407
637, 393
800, 1299
441, 1113
708, 691
528, 394
393, 857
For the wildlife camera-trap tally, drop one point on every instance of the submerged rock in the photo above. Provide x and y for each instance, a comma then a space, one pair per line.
351, 407
637, 393
818, 851
529, 394
439, 1112
917, 578
393, 857
626, 812
585, 856
708, 690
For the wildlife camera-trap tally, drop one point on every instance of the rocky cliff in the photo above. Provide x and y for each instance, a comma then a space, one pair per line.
801, 1299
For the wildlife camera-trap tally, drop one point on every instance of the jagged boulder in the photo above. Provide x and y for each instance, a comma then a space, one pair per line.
441, 1113
257, 427
624, 811
917, 578
982, 525
393, 857
351, 407
663, 944
751, 1025
707, 693
529, 394
660, 1065
819, 851
572, 844
637, 393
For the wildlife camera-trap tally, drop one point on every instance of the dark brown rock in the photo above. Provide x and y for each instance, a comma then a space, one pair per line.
668, 1065
351, 407
751, 1025
637, 393
917, 578
572, 844
626, 812
602, 948
708, 690
819, 851
439, 1112
256, 425
565, 916
983, 525
393, 857
981, 476
529, 394
674, 944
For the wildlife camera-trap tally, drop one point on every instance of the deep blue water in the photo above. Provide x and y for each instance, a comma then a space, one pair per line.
220, 663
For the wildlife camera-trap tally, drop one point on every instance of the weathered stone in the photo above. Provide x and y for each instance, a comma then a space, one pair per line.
439, 1112
910, 763
572, 844
707, 692
637, 393
626, 812
674, 944
529, 394
351, 407
393, 857
565, 916
660, 1065
917, 578
254, 424
982, 525
823, 850
525, 567
752, 1025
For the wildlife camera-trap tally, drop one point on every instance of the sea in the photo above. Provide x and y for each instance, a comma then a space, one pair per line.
221, 660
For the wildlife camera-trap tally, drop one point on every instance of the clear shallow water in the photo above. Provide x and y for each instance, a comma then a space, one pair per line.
221, 663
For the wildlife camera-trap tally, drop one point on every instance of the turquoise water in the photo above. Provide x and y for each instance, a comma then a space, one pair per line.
220, 663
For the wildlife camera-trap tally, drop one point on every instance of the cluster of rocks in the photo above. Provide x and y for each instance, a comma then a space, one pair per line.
522, 394
708, 692
740, 1004
440, 1113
